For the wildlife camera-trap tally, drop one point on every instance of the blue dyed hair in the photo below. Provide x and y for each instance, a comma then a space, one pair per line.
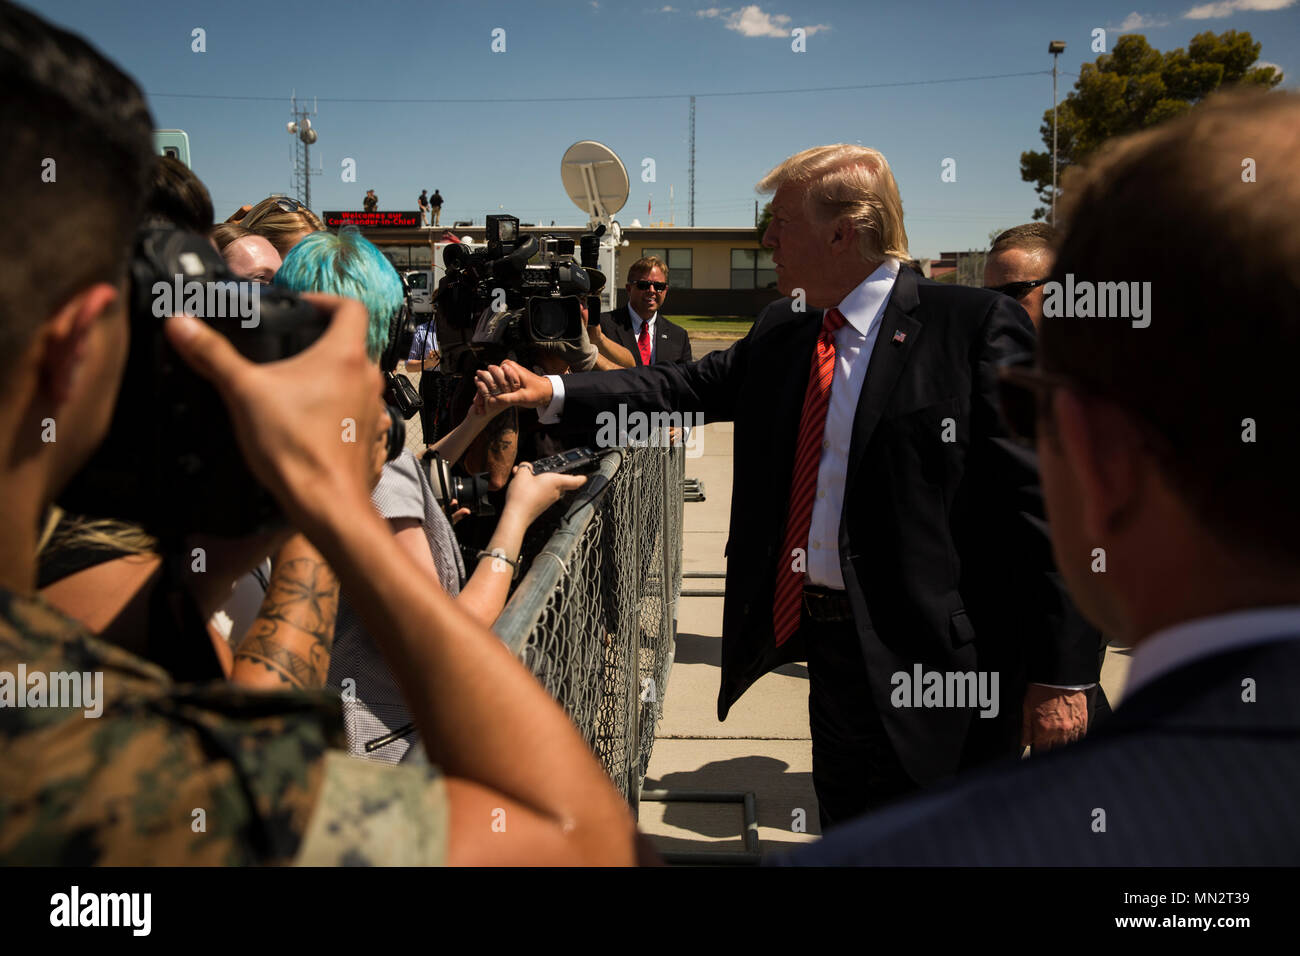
350, 265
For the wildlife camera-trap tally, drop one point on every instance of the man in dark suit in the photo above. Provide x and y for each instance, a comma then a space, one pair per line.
1168, 449
884, 528
639, 327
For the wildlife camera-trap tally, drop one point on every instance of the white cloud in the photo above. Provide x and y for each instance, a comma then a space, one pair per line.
1139, 21
1226, 8
667, 9
712, 12
753, 22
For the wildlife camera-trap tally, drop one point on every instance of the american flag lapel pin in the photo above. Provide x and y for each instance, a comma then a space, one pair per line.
900, 337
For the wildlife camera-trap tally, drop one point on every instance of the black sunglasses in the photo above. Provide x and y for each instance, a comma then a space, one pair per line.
1017, 290
289, 205
645, 284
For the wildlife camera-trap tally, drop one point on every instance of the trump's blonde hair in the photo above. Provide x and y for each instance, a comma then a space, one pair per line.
844, 181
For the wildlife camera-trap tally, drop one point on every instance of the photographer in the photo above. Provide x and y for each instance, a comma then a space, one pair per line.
125, 787
348, 264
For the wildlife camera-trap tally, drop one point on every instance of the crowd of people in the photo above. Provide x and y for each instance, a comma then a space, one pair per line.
926, 479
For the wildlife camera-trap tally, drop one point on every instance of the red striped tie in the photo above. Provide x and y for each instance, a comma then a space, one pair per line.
807, 457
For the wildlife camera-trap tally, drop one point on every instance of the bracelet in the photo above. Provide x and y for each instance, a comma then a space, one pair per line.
500, 555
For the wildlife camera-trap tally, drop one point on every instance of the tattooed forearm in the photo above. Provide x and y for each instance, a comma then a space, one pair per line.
290, 642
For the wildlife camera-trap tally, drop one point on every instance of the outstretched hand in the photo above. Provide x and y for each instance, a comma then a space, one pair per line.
500, 386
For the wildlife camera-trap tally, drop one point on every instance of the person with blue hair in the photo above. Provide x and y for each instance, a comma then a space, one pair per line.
348, 264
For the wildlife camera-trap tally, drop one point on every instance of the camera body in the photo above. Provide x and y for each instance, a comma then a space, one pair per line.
170, 461
516, 292
447, 486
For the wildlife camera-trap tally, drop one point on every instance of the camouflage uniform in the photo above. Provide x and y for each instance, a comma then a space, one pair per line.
121, 789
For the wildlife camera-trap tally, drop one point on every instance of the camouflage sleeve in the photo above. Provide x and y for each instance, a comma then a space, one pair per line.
369, 813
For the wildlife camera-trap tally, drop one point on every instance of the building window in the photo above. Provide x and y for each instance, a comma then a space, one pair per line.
421, 257
679, 265
752, 269
399, 256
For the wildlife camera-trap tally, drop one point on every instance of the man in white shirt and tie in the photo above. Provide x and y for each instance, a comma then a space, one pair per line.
883, 528
651, 338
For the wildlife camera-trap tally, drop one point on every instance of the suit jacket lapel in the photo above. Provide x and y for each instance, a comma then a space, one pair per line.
888, 357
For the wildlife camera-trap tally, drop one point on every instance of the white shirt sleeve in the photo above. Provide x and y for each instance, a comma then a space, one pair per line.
551, 414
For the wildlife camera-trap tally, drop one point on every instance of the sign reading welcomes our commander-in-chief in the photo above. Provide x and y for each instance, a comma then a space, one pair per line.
373, 220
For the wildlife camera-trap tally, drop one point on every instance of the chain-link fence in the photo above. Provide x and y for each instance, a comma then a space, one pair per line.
595, 617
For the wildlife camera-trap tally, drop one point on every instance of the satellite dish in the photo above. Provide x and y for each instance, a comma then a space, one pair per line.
595, 179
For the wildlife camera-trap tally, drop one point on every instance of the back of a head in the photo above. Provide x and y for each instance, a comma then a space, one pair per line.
77, 158
1203, 209
178, 198
1032, 237
281, 226
350, 265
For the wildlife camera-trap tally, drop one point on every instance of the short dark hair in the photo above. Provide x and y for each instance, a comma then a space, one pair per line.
1180, 206
177, 197
77, 158
1032, 236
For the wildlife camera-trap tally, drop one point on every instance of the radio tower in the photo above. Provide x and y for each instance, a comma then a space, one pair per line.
304, 136
692, 216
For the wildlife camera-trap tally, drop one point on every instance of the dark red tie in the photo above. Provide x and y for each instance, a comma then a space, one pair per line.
807, 457
643, 343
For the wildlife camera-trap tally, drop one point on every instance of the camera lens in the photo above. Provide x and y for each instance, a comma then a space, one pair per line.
549, 319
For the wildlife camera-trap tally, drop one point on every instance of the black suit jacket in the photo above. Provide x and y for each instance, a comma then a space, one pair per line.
1186, 772
674, 344
943, 545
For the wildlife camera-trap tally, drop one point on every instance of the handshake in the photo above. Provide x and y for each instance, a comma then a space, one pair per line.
510, 384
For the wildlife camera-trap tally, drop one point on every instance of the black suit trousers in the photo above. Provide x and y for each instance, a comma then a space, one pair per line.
855, 767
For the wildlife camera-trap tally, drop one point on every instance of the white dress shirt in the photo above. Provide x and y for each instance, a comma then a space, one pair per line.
863, 310
1176, 646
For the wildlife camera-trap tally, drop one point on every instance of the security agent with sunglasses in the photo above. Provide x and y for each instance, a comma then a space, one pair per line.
639, 328
882, 521
1019, 263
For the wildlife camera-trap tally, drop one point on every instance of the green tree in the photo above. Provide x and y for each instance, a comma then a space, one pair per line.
763, 220
1134, 87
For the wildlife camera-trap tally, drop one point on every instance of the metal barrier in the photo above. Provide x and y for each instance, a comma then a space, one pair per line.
595, 617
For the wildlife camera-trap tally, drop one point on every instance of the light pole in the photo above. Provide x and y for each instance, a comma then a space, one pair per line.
300, 126
1056, 48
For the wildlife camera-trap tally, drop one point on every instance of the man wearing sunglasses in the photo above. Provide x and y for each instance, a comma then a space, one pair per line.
639, 328
1168, 452
1019, 263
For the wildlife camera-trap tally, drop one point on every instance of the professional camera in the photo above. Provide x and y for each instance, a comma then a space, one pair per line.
402, 398
498, 300
170, 461
471, 492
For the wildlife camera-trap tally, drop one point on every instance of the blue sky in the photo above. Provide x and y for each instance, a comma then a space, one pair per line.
646, 58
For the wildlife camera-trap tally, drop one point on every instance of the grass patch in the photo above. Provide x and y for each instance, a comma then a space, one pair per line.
736, 325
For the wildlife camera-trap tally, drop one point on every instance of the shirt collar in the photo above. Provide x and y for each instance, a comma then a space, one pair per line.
1173, 647
636, 320
867, 301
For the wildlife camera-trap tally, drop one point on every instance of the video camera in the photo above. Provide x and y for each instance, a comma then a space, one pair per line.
498, 300
170, 461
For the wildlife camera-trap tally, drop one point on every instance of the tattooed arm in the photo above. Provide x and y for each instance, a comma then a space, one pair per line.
289, 643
